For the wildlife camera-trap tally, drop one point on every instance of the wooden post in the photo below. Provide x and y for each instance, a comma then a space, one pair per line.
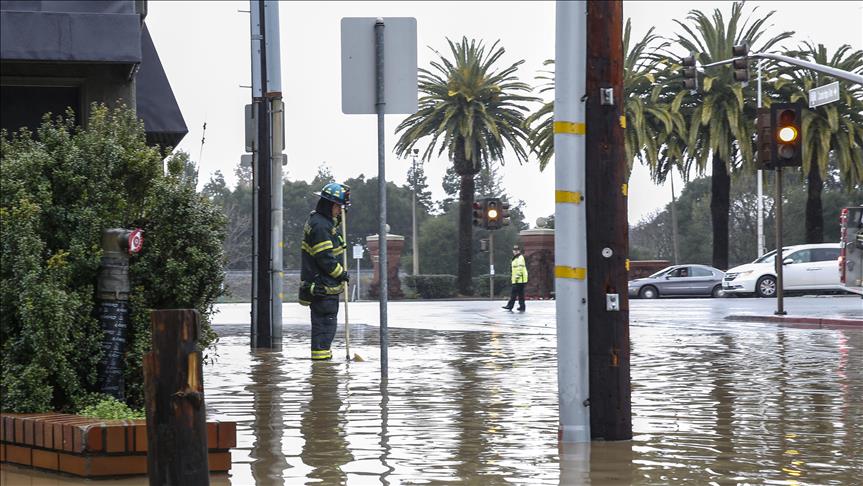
607, 225
174, 399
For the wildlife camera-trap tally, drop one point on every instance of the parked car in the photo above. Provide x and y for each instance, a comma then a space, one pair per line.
679, 280
806, 267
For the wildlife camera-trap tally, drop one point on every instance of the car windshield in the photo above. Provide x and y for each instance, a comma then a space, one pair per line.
661, 272
768, 257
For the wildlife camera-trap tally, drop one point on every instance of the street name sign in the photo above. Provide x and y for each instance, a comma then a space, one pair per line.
358, 65
824, 94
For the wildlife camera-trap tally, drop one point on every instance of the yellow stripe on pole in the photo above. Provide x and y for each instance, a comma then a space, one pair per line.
627, 264
574, 128
577, 273
622, 121
574, 197
624, 189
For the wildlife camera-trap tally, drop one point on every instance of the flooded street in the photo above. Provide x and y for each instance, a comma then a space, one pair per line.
472, 399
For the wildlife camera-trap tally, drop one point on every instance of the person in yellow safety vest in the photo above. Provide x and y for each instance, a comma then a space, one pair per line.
323, 277
519, 280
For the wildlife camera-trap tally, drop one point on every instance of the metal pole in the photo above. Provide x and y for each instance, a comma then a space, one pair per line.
760, 183
780, 308
359, 290
674, 243
347, 291
491, 265
415, 243
829, 70
570, 221
380, 104
277, 146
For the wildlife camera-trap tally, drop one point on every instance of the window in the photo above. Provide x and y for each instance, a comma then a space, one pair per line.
825, 254
680, 272
802, 256
701, 272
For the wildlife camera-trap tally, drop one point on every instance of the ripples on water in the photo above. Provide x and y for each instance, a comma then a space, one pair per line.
712, 404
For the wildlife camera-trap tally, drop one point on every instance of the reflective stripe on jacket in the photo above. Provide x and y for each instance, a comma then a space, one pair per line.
321, 248
519, 270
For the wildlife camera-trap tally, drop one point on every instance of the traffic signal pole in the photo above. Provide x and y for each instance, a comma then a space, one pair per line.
779, 258
608, 227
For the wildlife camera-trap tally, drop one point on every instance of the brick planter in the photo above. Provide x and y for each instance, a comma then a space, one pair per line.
94, 448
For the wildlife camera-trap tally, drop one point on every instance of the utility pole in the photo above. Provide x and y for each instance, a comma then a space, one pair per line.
607, 225
491, 265
267, 173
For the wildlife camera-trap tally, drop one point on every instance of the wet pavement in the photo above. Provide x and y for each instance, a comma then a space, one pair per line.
472, 399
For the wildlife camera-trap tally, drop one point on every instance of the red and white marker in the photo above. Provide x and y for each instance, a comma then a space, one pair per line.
136, 241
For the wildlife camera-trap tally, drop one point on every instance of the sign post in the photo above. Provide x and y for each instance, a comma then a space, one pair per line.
379, 76
358, 256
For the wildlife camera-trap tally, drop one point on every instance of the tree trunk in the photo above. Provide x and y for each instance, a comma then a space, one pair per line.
814, 212
465, 233
720, 200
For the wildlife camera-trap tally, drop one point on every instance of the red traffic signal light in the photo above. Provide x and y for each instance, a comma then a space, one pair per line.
690, 73
479, 213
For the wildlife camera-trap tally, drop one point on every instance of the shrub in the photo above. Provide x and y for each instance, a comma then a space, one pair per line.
432, 286
501, 285
110, 408
61, 188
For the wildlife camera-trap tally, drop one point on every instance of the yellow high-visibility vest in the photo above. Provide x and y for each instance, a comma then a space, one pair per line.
519, 270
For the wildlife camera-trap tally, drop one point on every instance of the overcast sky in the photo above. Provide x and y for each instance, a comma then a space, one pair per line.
204, 48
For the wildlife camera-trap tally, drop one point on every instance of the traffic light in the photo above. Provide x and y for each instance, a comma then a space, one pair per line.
690, 73
764, 125
479, 213
741, 66
786, 120
504, 213
493, 214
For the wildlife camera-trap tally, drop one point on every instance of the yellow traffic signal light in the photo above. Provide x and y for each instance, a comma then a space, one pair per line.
492, 215
786, 122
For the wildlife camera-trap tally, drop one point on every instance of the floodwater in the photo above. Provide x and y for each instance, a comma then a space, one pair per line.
713, 402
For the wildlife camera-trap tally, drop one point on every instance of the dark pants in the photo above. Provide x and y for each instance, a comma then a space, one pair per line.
517, 291
325, 311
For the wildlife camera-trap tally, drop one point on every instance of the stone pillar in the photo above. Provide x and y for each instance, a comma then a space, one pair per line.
395, 244
538, 245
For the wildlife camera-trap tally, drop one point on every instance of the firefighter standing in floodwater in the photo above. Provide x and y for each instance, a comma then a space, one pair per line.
323, 277
519, 280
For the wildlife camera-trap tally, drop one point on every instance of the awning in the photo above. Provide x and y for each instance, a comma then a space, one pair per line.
73, 31
157, 106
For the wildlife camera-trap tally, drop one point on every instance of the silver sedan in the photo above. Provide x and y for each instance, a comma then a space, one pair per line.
679, 280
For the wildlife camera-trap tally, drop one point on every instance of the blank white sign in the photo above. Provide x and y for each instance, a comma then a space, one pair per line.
358, 65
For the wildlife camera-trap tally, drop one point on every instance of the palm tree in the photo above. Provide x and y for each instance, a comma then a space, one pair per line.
720, 123
472, 111
652, 127
835, 128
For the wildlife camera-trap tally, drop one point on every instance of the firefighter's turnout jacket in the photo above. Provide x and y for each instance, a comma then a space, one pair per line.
519, 270
322, 249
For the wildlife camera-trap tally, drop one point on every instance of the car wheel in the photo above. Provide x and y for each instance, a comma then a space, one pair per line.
717, 292
766, 286
648, 292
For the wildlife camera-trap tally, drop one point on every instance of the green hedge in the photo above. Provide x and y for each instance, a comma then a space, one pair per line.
62, 186
432, 286
501, 285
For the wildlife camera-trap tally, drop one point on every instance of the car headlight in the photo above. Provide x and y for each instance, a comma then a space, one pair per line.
743, 274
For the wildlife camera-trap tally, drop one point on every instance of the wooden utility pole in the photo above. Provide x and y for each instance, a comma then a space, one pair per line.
174, 399
607, 225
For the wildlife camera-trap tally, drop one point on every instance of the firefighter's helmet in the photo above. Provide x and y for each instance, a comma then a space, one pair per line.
337, 193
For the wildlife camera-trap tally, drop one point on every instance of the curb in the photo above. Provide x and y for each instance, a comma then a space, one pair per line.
792, 320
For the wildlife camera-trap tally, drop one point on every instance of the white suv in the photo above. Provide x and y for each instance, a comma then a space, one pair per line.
806, 267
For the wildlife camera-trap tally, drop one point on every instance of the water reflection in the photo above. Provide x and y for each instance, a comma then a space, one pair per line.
268, 424
323, 424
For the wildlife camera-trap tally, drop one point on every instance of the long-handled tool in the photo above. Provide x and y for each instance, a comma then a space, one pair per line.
347, 290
